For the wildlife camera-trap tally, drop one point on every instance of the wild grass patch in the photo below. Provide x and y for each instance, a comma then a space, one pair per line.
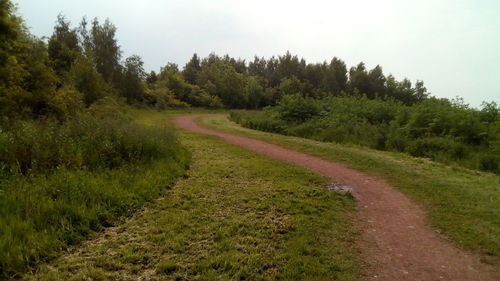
62, 181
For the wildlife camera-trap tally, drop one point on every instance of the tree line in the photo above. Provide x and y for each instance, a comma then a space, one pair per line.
263, 82
77, 66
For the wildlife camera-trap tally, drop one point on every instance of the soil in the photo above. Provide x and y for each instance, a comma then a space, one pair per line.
396, 244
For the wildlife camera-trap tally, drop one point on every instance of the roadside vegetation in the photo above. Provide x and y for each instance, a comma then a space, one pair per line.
462, 204
61, 182
441, 130
237, 216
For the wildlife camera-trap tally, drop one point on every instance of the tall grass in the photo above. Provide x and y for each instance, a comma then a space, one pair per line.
61, 181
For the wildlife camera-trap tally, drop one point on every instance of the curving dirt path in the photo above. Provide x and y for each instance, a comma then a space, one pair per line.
396, 243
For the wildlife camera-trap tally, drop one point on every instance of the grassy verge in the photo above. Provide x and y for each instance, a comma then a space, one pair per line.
238, 216
461, 203
61, 182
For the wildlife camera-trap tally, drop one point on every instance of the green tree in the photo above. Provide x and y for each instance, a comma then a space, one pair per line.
314, 74
26, 80
63, 46
358, 79
221, 79
289, 66
371, 83
238, 64
490, 112
257, 67
84, 77
131, 86
289, 86
103, 48
335, 77
254, 92
152, 77
9, 31
191, 69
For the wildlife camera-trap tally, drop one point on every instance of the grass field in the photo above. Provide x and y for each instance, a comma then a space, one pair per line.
462, 204
237, 216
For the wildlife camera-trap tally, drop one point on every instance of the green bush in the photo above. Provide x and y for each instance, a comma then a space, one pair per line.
295, 108
439, 129
258, 120
162, 98
490, 162
436, 148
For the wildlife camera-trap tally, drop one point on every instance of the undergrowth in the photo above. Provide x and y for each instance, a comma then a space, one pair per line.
61, 181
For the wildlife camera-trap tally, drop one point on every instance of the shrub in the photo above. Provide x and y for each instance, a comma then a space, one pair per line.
489, 162
436, 148
443, 130
396, 140
201, 98
295, 108
163, 98
259, 120
66, 103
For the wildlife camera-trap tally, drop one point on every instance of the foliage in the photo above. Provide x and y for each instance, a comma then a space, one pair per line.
439, 129
192, 69
131, 83
100, 44
26, 80
295, 108
63, 46
170, 78
221, 79
84, 77
162, 98
67, 103
287, 74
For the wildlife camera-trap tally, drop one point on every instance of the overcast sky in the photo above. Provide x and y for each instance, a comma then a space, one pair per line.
453, 45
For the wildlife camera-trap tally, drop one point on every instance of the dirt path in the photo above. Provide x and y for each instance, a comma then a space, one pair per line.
396, 242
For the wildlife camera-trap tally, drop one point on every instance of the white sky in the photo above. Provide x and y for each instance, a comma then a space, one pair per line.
453, 45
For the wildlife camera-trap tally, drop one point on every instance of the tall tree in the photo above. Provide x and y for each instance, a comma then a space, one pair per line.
191, 69
335, 78
84, 77
26, 80
377, 82
358, 79
9, 30
257, 67
131, 86
289, 66
238, 64
221, 79
314, 74
105, 50
63, 46
254, 92
420, 91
